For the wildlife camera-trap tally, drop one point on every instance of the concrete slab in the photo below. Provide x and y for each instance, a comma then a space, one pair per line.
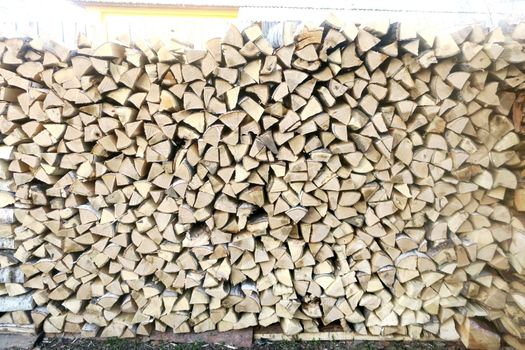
238, 338
17, 341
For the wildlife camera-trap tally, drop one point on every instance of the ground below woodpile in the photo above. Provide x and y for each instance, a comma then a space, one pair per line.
124, 344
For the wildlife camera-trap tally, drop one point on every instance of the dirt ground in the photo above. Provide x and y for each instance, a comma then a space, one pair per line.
124, 344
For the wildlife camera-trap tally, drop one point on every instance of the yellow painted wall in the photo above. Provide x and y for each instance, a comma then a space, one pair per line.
191, 24
180, 12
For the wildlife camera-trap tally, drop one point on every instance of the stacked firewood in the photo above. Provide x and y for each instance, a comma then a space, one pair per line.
366, 176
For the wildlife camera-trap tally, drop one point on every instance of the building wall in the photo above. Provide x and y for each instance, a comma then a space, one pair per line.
62, 20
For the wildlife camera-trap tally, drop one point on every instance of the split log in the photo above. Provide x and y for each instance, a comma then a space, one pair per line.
362, 175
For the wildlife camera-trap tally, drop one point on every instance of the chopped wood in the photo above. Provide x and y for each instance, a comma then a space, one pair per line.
367, 176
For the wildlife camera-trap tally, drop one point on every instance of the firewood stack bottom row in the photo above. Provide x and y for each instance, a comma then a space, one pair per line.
368, 176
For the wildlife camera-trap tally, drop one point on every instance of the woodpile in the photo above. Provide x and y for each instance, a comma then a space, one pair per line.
361, 175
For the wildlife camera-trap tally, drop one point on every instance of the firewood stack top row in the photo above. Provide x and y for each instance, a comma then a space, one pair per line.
367, 176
